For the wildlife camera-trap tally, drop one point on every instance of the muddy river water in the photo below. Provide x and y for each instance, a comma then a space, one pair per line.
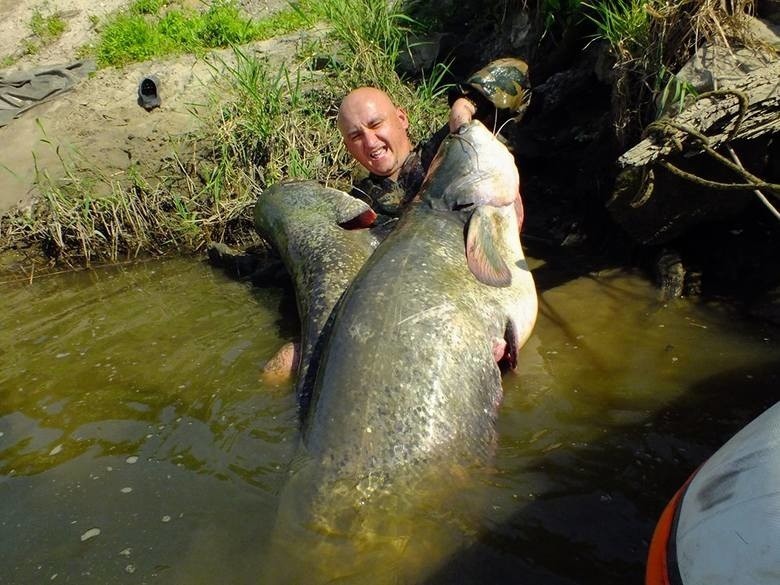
138, 443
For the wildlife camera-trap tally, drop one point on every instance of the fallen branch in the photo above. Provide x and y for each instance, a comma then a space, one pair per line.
749, 110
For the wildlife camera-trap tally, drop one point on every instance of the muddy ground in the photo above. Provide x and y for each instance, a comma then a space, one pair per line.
99, 121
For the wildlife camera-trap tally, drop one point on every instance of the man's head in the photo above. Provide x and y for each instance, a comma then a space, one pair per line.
374, 131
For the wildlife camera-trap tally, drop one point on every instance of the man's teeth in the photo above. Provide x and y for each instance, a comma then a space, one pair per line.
377, 153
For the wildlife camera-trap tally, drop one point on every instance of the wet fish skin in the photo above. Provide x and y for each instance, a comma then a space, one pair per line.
407, 388
408, 379
323, 237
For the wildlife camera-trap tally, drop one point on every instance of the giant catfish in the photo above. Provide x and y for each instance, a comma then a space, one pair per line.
409, 384
319, 233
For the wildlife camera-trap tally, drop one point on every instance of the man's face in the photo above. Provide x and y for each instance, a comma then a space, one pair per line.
374, 131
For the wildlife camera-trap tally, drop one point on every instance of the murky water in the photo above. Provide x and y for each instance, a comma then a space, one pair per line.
139, 445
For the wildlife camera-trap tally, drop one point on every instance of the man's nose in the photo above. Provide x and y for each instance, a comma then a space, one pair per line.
371, 139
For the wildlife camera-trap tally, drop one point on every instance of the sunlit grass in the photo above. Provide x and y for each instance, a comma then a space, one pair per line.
152, 29
47, 28
624, 25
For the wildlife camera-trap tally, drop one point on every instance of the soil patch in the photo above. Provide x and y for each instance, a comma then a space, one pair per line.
99, 122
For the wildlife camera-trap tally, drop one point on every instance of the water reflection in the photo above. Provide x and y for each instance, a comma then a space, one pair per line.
130, 402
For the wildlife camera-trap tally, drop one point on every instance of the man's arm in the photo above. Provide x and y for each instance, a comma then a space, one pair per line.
461, 112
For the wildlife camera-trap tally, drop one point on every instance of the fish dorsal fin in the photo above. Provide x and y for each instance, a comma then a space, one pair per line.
354, 215
482, 253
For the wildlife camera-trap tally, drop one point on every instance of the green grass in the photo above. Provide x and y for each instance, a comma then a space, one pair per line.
47, 28
556, 15
280, 124
147, 6
146, 31
625, 25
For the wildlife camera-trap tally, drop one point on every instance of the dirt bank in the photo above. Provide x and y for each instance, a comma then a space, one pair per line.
99, 122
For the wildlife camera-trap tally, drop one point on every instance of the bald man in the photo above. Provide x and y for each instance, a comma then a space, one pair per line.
375, 134
375, 131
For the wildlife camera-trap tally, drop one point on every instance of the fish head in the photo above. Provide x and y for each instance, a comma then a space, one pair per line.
308, 204
474, 174
471, 168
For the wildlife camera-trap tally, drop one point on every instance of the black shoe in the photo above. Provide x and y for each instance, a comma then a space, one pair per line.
148, 96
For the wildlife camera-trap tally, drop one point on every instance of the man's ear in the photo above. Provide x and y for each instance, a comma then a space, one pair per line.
403, 117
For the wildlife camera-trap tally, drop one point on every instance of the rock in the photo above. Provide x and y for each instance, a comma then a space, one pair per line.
670, 274
91, 533
765, 31
716, 67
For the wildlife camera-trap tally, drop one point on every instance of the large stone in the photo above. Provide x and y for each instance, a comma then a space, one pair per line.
716, 67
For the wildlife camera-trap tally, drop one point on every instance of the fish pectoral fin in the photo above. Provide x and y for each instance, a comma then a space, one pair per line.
482, 253
519, 212
354, 214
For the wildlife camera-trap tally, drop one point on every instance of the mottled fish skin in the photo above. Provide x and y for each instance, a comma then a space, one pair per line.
304, 221
407, 388
408, 379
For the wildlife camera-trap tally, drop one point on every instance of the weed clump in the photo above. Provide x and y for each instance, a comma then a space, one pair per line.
649, 40
153, 28
47, 28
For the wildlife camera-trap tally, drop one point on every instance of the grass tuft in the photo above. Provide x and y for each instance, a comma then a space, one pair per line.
650, 39
147, 6
47, 28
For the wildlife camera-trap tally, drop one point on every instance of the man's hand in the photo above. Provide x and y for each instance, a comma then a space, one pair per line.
461, 112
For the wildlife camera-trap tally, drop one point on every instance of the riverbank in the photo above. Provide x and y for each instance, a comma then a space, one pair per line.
110, 180
98, 124
113, 181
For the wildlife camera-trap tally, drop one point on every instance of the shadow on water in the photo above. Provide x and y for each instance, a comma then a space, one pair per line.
594, 525
269, 277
